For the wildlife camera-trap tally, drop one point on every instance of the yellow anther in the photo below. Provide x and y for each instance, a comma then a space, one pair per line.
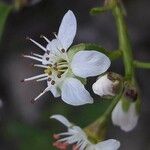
48, 71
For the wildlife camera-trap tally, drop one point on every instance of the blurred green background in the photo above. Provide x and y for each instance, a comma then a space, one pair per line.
27, 126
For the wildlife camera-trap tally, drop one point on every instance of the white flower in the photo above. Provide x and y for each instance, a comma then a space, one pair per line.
106, 85
61, 71
126, 120
77, 137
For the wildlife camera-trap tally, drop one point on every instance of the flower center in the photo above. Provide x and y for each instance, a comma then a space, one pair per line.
56, 70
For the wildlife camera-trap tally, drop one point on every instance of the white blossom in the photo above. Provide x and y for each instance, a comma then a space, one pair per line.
126, 120
77, 137
60, 71
105, 86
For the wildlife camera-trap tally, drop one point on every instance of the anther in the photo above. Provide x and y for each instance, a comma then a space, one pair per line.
33, 101
59, 75
48, 52
50, 65
22, 80
49, 79
41, 36
27, 38
47, 58
53, 82
63, 50
55, 68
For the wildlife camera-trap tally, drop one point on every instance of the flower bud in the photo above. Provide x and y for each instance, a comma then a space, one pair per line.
107, 85
126, 112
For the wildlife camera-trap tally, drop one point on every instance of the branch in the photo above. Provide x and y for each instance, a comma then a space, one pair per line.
142, 65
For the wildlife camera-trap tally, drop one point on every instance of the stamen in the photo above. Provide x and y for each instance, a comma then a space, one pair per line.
50, 65
62, 70
48, 52
47, 40
48, 71
62, 63
47, 58
63, 50
32, 57
41, 66
35, 77
59, 75
42, 93
55, 68
53, 82
34, 54
49, 79
62, 67
42, 79
36, 43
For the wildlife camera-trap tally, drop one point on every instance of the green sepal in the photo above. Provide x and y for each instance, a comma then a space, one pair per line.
83, 80
4, 12
83, 46
125, 104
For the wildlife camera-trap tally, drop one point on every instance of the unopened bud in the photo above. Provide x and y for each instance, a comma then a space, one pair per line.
108, 85
97, 130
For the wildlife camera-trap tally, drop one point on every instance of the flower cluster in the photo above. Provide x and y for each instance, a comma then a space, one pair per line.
64, 75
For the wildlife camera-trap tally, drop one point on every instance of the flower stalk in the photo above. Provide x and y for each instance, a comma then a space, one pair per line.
124, 40
142, 65
97, 130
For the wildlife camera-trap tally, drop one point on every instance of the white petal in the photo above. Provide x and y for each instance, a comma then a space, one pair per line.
103, 86
55, 91
55, 47
110, 144
74, 93
89, 63
67, 29
126, 120
62, 119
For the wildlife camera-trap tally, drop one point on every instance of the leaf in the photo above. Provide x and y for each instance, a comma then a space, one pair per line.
4, 12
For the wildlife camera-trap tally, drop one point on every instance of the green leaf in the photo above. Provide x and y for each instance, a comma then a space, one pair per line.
4, 12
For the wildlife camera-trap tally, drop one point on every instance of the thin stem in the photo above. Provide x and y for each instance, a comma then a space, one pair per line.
97, 130
124, 40
143, 65
108, 111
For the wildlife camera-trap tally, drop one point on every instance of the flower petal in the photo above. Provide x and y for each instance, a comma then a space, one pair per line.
110, 144
55, 47
74, 93
55, 91
126, 120
89, 63
62, 119
67, 29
